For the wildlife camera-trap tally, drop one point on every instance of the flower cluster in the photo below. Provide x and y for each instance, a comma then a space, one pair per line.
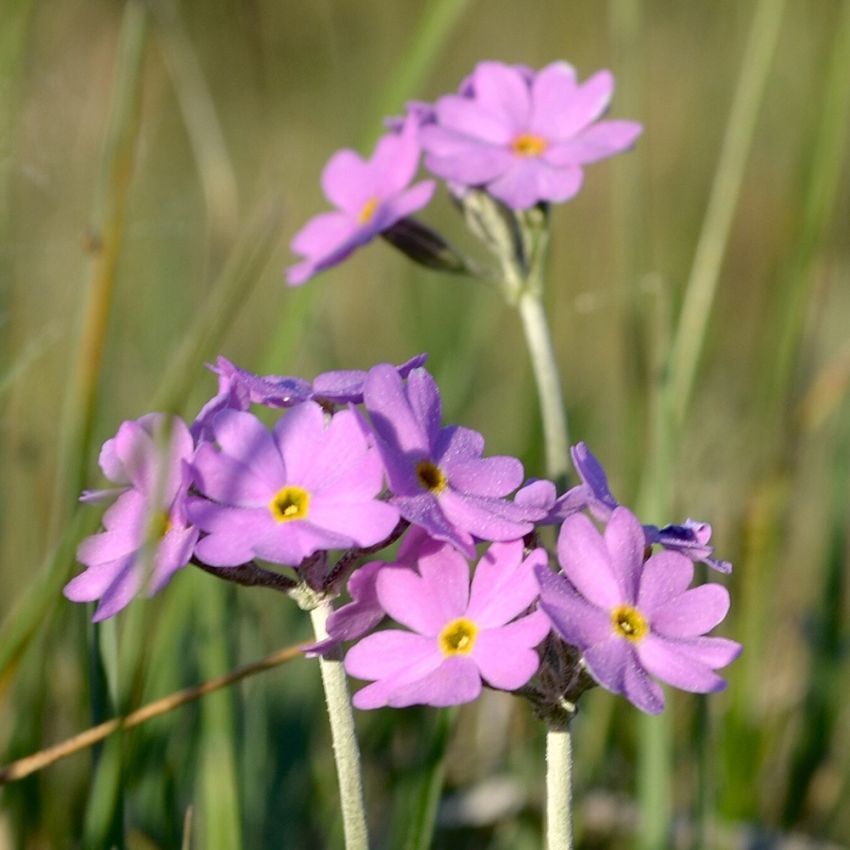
522, 137
358, 460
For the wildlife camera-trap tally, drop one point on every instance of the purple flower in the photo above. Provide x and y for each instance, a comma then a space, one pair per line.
370, 196
437, 476
282, 496
458, 635
631, 618
147, 536
524, 136
238, 389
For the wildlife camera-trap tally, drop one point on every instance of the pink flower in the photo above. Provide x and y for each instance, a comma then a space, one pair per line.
632, 619
284, 495
146, 536
369, 195
524, 136
458, 635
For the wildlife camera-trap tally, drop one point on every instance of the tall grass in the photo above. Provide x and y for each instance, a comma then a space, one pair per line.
239, 105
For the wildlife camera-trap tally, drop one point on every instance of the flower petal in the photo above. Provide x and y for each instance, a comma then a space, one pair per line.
506, 657
504, 584
662, 658
692, 613
577, 621
666, 575
587, 563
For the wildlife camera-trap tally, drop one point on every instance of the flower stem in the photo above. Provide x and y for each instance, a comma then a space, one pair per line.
559, 792
545, 367
346, 753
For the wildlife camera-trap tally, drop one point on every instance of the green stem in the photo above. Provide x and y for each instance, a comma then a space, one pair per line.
545, 367
346, 752
559, 793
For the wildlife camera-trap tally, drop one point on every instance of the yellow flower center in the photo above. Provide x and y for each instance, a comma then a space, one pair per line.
458, 637
290, 503
527, 144
159, 526
629, 623
365, 215
431, 476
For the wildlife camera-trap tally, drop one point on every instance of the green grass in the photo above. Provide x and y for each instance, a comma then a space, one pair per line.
241, 103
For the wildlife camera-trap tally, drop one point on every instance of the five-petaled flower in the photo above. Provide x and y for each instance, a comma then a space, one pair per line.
630, 617
524, 136
370, 196
458, 635
437, 476
284, 495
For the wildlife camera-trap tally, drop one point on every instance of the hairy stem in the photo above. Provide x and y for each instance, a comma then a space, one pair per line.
545, 366
346, 752
559, 792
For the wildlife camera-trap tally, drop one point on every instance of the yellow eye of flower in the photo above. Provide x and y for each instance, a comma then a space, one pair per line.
430, 476
159, 526
629, 623
368, 211
527, 144
458, 637
290, 503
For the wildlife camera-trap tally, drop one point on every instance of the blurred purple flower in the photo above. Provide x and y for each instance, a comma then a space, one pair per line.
282, 496
147, 536
437, 476
238, 389
631, 618
524, 136
370, 196
458, 636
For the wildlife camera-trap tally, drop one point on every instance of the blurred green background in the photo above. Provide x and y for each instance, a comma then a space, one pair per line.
155, 161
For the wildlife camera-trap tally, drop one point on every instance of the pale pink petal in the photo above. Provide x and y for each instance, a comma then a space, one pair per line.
665, 576
691, 614
503, 90
661, 658
504, 584
506, 656
587, 563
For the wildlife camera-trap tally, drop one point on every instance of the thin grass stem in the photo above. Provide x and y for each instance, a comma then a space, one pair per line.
692, 326
49, 756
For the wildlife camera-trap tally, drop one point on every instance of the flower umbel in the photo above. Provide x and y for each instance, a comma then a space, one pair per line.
631, 618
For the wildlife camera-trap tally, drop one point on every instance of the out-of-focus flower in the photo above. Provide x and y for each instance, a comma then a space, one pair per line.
524, 136
284, 495
631, 618
458, 636
369, 196
238, 389
147, 536
437, 476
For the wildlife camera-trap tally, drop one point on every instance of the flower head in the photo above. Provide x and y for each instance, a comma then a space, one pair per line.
369, 196
146, 536
457, 635
523, 135
282, 496
437, 476
632, 619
